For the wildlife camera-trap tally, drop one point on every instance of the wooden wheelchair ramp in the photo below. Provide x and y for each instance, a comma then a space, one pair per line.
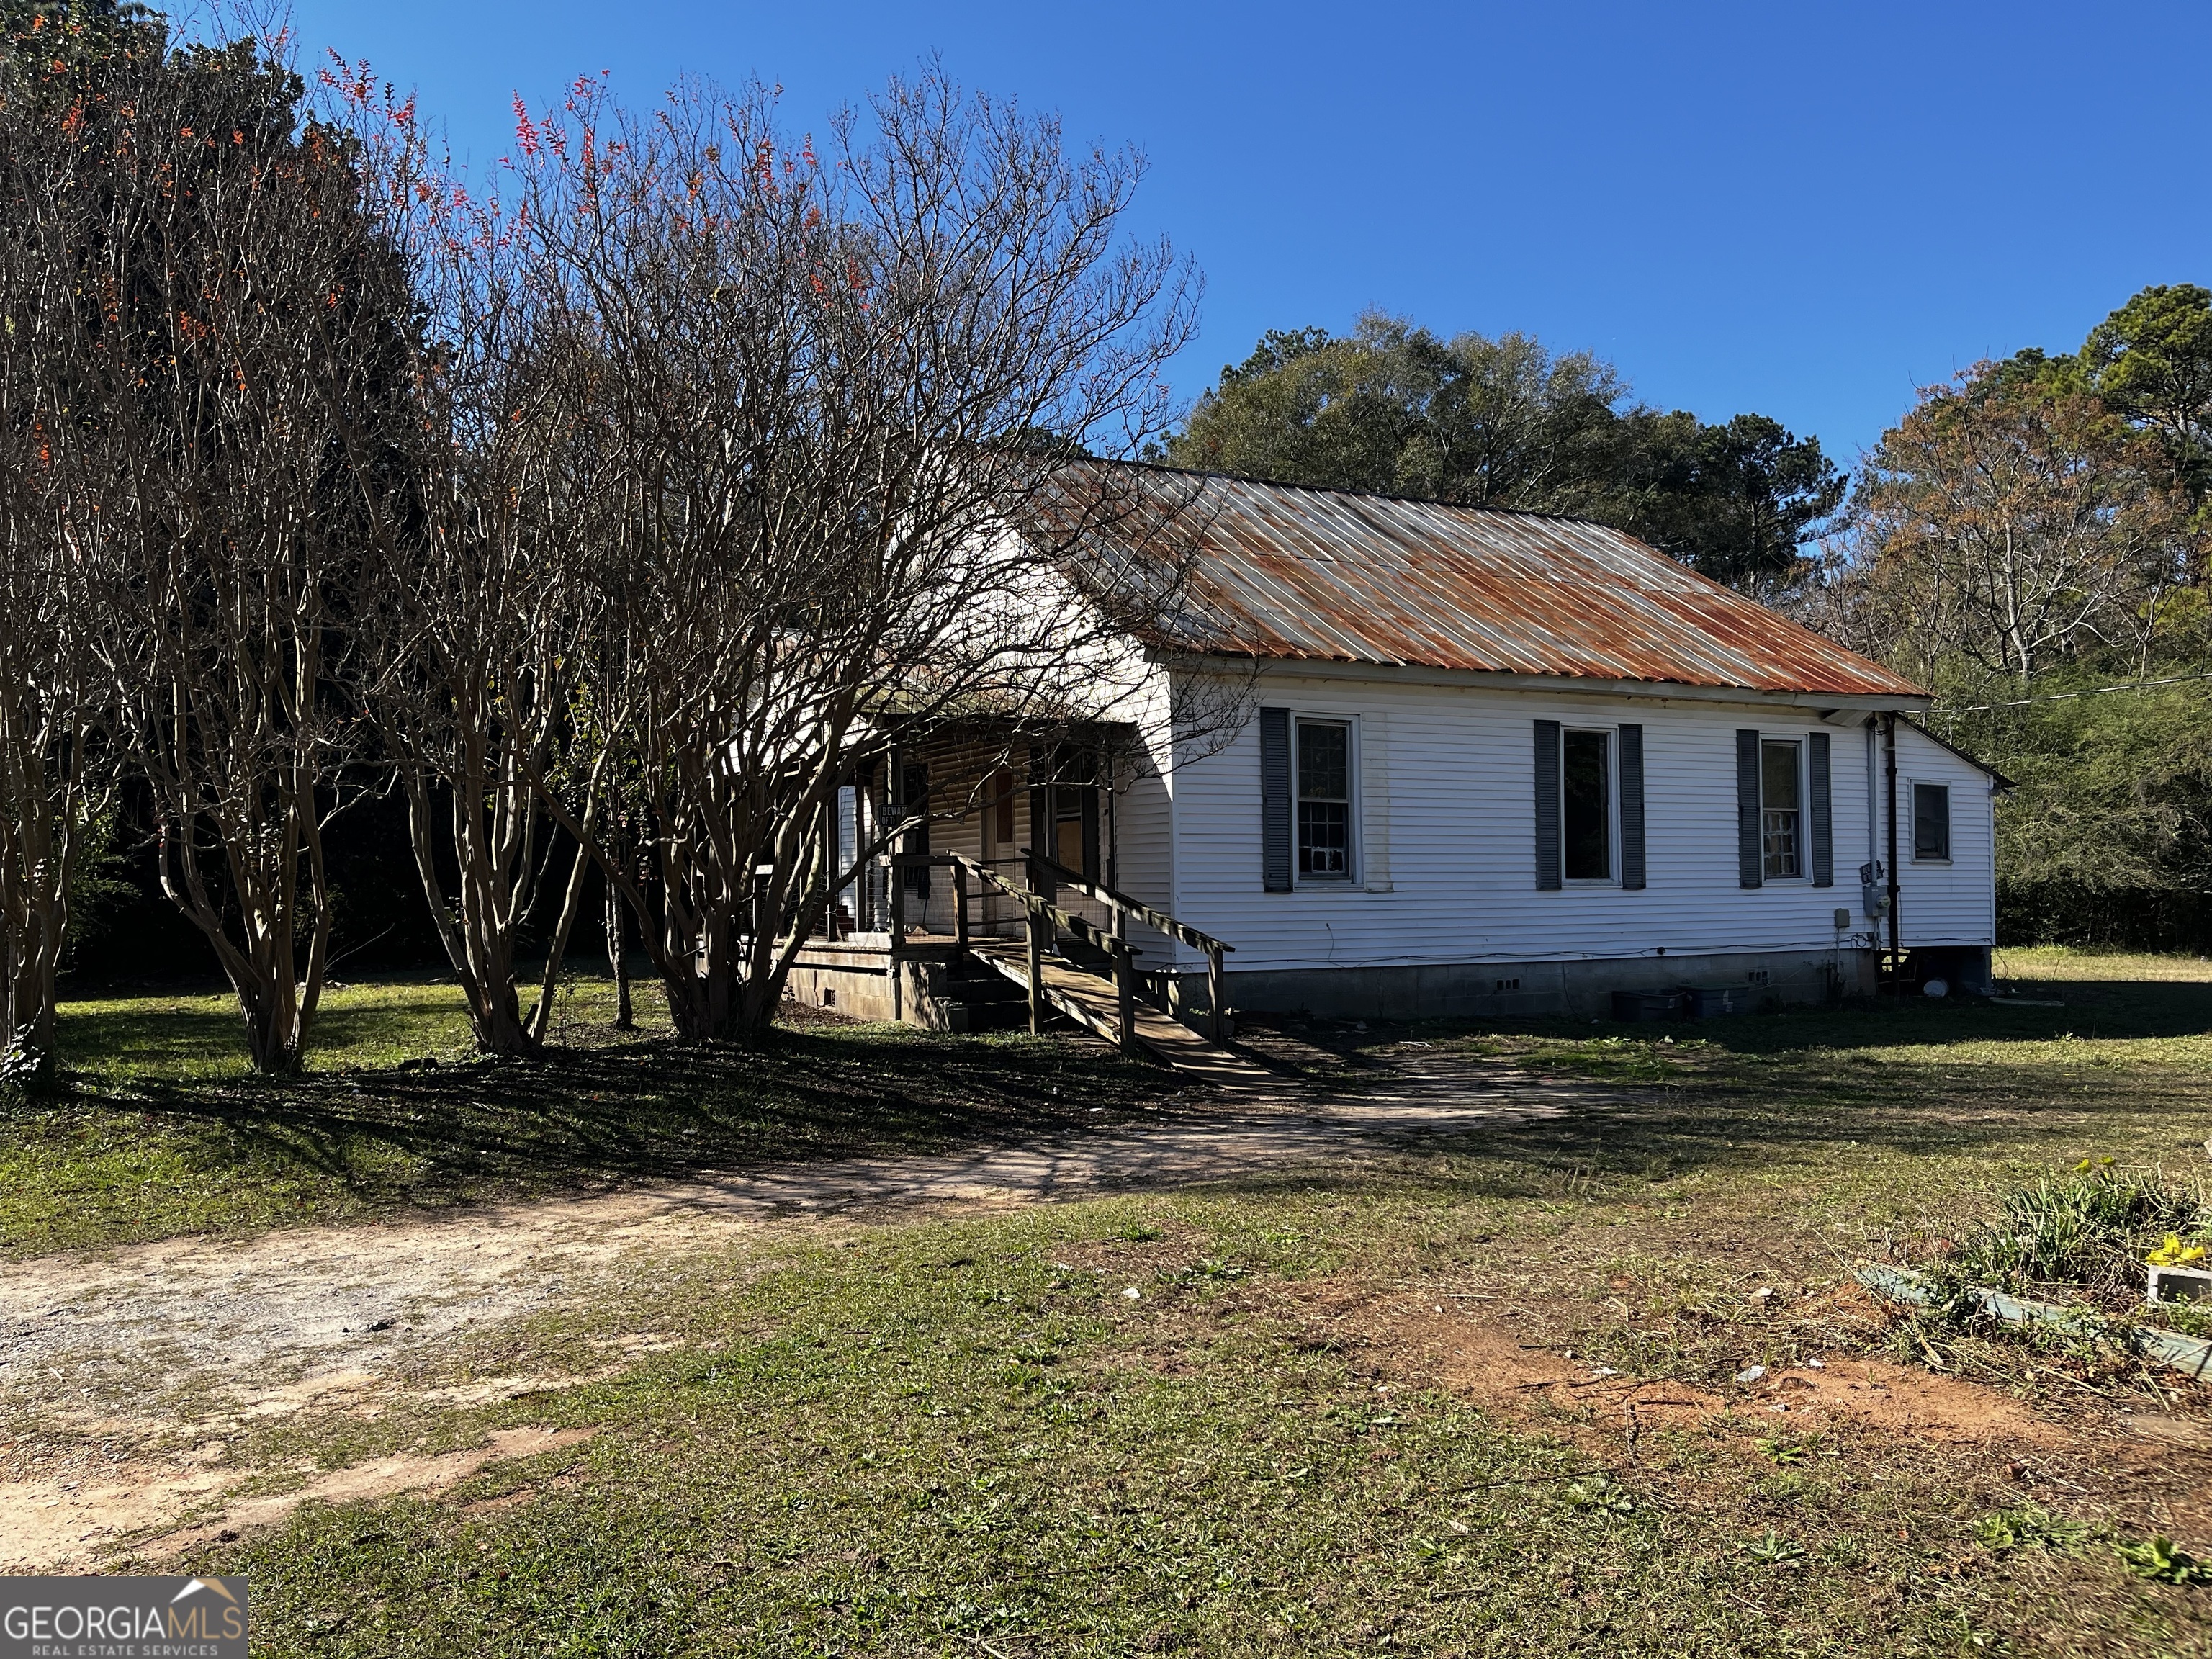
1091, 1001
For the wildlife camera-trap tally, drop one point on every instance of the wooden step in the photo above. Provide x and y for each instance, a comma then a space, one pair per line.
1090, 1002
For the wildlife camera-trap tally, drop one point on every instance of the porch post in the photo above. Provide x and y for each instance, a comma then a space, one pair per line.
829, 923
1042, 807
895, 793
1215, 990
1036, 970
1118, 918
1125, 997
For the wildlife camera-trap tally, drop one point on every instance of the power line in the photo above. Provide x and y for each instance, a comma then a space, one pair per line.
2063, 696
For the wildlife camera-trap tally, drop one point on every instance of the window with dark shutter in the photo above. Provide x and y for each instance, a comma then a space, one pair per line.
1750, 854
1275, 800
1820, 804
1631, 806
1547, 806
1586, 805
1782, 810
1324, 800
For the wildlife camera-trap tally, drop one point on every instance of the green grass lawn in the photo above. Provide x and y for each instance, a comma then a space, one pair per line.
164, 1129
965, 1437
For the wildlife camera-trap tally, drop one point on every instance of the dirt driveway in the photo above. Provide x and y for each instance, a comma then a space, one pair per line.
294, 1319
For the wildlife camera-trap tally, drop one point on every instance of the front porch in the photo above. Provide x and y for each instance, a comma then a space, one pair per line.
997, 906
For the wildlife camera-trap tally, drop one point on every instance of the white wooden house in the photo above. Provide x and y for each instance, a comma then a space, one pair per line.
1490, 764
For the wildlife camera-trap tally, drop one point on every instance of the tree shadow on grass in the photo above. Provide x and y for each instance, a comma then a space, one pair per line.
1762, 1089
429, 1133
1751, 1092
194, 1034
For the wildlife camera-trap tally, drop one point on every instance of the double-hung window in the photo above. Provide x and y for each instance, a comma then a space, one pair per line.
1586, 805
1931, 823
1323, 773
1782, 811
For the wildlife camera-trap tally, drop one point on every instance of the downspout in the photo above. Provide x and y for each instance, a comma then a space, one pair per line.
1873, 819
1889, 782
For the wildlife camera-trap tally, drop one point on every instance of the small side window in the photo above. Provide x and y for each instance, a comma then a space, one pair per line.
1931, 823
1324, 800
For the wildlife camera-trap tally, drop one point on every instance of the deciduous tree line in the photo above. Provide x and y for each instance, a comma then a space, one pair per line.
610, 508
1505, 423
2028, 537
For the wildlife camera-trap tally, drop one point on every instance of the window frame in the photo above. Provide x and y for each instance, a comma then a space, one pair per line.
1349, 877
1797, 747
1612, 736
1913, 787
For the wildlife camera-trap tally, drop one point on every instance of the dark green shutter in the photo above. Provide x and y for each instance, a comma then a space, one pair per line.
1749, 860
1275, 800
1631, 806
1040, 821
1547, 806
914, 798
1822, 814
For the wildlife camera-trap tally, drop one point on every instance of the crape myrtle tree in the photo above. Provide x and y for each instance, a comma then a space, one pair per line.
802, 500
238, 296
56, 763
465, 667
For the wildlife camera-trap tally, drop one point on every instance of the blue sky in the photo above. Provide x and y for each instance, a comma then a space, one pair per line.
1802, 209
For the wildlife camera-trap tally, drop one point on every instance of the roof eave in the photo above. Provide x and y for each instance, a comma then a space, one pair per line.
1557, 684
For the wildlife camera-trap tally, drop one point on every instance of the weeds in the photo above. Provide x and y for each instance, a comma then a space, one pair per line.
2029, 1527
1774, 1550
2158, 1561
2088, 1230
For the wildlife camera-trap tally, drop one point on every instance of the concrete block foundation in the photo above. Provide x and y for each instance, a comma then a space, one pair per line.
858, 985
1524, 990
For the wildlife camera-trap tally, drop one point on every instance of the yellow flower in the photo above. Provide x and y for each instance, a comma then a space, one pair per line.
2175, 1254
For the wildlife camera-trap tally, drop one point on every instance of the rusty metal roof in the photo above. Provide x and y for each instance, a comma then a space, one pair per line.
1321, 576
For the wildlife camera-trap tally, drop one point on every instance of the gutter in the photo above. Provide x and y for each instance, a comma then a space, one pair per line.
1554, 684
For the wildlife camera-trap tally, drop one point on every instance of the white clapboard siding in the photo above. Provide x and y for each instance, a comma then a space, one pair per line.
1460, 821
1143, 856
1952, 903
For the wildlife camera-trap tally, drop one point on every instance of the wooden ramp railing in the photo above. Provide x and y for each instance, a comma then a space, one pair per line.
1052, 982
1160, 922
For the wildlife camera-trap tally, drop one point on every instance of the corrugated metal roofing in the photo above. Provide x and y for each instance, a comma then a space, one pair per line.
1321, 576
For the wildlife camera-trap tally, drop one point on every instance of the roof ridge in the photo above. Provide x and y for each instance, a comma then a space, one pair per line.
1370, 494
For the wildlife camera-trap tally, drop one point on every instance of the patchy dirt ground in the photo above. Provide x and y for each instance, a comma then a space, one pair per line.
320, 1319
366, 1292
1897, 1422
133, 1379
67, 1517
